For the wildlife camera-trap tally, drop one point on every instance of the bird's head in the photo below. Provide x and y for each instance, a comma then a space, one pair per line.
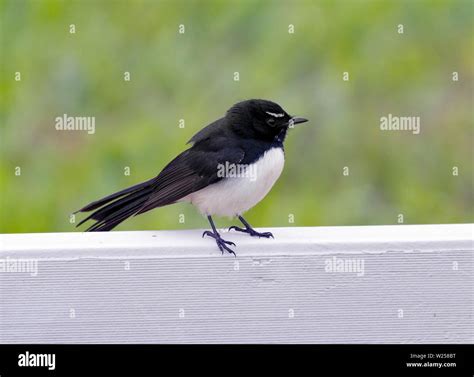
261, 119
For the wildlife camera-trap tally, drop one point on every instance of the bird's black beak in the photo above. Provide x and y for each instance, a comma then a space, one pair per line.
296, 120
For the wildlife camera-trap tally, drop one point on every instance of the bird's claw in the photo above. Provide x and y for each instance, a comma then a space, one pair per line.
237, 229
264, 234
221, 243
252, 232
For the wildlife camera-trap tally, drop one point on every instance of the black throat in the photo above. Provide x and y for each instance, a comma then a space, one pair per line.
280, 137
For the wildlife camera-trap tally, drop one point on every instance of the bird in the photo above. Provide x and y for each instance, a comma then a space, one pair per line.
230, 166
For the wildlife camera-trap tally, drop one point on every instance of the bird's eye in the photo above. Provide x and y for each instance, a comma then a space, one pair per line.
271, 122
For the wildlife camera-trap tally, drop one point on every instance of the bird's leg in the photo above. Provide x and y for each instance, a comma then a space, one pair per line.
221, 244
248, 229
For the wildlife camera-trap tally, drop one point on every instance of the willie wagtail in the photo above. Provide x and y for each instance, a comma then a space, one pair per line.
231, 165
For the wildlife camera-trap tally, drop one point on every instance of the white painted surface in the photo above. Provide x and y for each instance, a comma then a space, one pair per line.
175, 287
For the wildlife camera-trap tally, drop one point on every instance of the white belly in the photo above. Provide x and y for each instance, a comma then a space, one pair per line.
233, 196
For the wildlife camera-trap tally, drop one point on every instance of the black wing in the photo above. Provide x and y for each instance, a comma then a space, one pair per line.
215, 129
190, 171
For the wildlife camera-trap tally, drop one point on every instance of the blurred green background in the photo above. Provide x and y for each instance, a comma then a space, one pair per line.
190, 76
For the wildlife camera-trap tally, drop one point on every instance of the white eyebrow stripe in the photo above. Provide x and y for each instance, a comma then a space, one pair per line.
275, 115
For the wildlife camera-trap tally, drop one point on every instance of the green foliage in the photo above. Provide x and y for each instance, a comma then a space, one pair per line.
190, 76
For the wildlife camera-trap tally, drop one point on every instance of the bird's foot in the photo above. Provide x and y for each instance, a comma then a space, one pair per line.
252, 232
221, 243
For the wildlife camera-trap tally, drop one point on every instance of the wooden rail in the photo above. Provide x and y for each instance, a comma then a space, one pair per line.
373, 284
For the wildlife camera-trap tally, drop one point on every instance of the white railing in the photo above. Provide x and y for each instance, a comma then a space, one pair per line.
374, 284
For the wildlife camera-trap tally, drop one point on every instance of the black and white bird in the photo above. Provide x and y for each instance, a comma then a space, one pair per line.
230, 167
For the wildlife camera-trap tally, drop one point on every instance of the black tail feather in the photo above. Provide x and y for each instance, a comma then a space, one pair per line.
111, 221
115, 208
109, 198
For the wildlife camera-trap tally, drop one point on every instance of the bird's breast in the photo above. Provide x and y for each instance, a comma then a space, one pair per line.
241, 186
